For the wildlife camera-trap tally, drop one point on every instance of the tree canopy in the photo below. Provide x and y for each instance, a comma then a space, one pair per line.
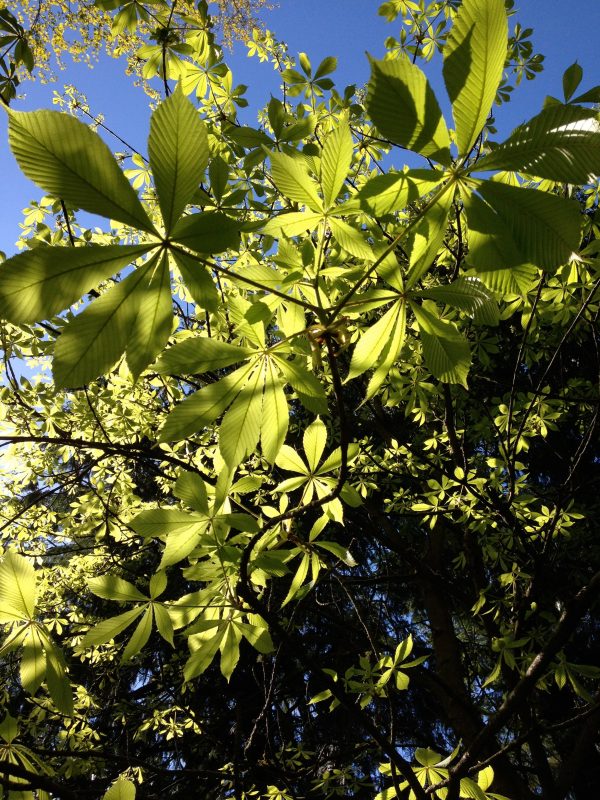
299, 422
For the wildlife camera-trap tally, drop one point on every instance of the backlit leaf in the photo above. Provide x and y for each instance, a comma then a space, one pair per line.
404, 108
445, 349
203, 407
178, 150
335, 161
38, 283
67, 159
474, 57
560, 144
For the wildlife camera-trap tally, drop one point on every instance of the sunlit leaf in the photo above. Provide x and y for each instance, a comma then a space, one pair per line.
178, 150
67, 159
404, 108
474, 57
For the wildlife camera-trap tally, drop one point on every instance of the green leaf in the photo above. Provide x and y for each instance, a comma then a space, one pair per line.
326, 67
334, 459
158, 583
197, 279
339, 551
151, 327
163, 621
275, 415
33, 662
111, 587
468, 788
294, 223
299, 378
240, 428
109, 629
178, 150
350, 239
192, 490
560, 144
288, 459
91, 343
38, 283
122, 789
518, 280
427, 237
67, 159
572, 77
203, 652
139, 638
446, 350
372, 342
404, 108
230, 651
18, 590
218, 173
509, 226
314, 440
57, 680
182, 531
390, 352
393, 191
298, 579
208, 232
336, 159
474, 57
200, 354
203, 407
468, 294
293, 181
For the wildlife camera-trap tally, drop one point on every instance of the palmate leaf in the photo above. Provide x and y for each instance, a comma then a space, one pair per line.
111, 587
200, 354
109, 629
390, 352
178, 150
275, 415
57, 679
560, 144
91, 343
121, 789
240, 428
190, 488
445, 349
70, 161
18, 591
314, 441
293, 180
405, 110
153, 321
33, 662
372, 342
427, 237
40, 283
208, 232
393, 191
203, 407
469, 294
293, 223
203, 650
197, 279
474, 57
139, 637
335, 161
182, 531
350, 239
510, 226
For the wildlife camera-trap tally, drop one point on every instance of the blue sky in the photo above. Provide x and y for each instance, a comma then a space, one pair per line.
563, 32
